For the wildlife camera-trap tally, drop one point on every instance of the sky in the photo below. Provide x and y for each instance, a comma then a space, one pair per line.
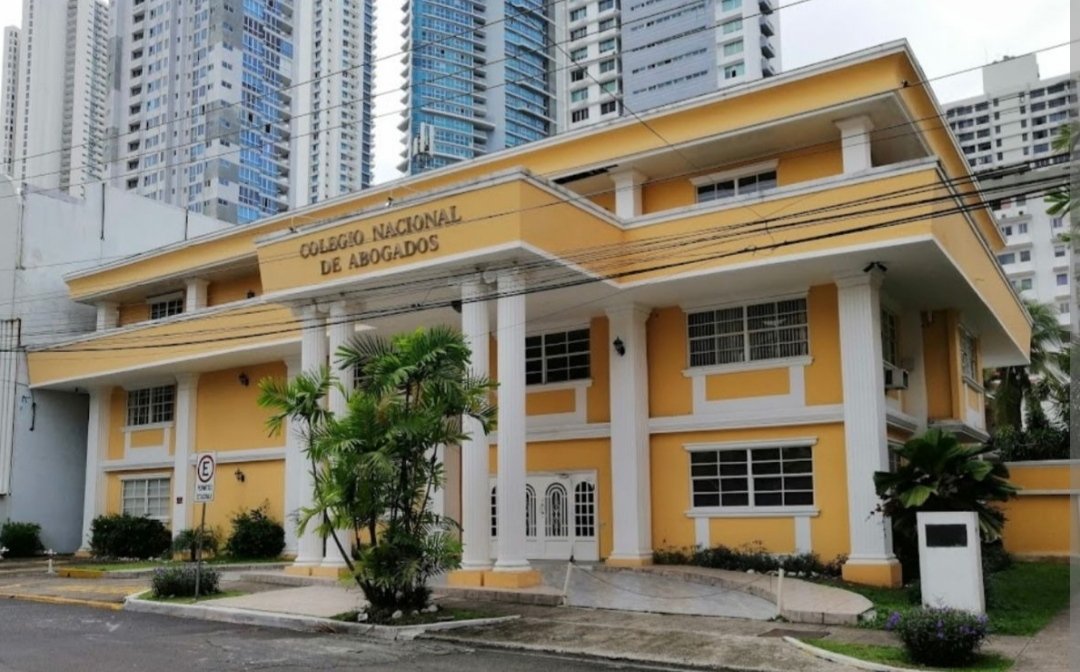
946, 35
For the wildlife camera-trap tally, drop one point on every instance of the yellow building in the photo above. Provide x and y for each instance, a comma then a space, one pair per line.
707, 325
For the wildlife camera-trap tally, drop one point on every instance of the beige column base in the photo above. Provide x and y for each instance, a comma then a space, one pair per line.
643, 561
883, 573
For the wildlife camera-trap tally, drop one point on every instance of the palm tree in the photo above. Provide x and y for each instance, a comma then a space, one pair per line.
1010, 387
1060, 198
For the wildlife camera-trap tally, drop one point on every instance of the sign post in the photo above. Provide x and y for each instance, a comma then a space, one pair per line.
205, 471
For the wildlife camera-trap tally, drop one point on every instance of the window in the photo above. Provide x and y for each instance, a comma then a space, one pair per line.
579, 95
579, 115
607, 45
752, 477
611, 86
731, 26
890, 339
577, 75
607, 66
1059, 252
146, 497
730, 5
1057, 222
734, 70
609, 107
150, 405
969, 363
736, 186
557, 357
579, 33
1024, 284
732, 48
605, 5
1022, 228
772, 330
578, 14
1062, 279
579, 54
1025, 255
1006, 259
584, 510
606, 24
166, 306
1063, 308
1007, 230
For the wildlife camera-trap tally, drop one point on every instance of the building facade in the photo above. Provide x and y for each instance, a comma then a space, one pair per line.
479, 77
43, 432
58, 128
9, 87
1013, 124
673, 369
642, 54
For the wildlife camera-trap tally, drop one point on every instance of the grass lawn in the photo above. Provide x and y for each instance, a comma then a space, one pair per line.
441, 616
191, 600
894, 655
1021, 600
154, 564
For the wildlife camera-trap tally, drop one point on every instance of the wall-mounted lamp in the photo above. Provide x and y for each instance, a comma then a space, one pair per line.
239, 475
874, 264
243, 378
456, 305
251, 294
619, 346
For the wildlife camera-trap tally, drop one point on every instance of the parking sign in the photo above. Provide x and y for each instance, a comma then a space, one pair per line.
205, 470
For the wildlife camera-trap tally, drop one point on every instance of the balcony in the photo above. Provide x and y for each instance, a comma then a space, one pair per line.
767, 48
767, 27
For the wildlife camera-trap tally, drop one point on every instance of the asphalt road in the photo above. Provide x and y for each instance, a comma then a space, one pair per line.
44, 638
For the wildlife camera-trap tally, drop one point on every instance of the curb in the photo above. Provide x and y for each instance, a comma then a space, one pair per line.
81, 573
119, 574
297, 622
67, 601
559, 651
845, 660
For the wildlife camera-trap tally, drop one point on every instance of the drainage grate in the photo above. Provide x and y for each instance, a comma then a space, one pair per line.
798, 634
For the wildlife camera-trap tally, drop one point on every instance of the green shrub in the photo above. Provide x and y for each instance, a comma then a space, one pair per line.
124, 536
940, 637
746, 558
255, 535
186, 542
22, 540
180, 582
1045, 442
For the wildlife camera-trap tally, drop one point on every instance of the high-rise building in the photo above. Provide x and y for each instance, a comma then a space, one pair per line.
9, 87
334, 47
198, 108
59, 119
1013, 125
479, 77
483, 76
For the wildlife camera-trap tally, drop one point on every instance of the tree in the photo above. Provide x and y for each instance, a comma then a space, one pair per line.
1060, 198
1010, 388
937, 473
377, 465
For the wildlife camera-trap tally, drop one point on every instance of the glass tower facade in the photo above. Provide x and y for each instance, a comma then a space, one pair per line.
478, 79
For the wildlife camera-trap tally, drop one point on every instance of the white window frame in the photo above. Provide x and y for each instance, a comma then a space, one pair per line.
969, 357
751, 509
747, 361
544, 357
890, 337
734, 175
146, 478
169, 304
153, 404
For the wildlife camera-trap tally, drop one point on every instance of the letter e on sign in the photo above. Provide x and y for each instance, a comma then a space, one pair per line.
205, 470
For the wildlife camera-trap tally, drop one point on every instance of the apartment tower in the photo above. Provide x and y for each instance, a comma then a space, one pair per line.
9, 87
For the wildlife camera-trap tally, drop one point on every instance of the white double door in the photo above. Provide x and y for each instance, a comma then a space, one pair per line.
560, 517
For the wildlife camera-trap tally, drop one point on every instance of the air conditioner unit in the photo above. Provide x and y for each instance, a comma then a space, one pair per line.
895, 378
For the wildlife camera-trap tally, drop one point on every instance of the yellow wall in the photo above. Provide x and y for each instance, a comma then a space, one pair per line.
131, 313
941, 367
670, 392
584, 455
747, 384
1041, 524
824, 376
264, 482
227, 415
670, 472
549, 402
598, 396
117, 420
233, 289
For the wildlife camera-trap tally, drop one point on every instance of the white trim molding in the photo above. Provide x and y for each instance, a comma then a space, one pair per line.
763, 417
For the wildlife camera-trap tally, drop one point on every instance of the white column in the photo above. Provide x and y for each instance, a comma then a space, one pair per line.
187, 385
313, 354
294, 468
911, 358
866, 445
97, 444
475, 501
108, 315
629, 376
628, 192
195, 294
342, 327
510, 480
855, 142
